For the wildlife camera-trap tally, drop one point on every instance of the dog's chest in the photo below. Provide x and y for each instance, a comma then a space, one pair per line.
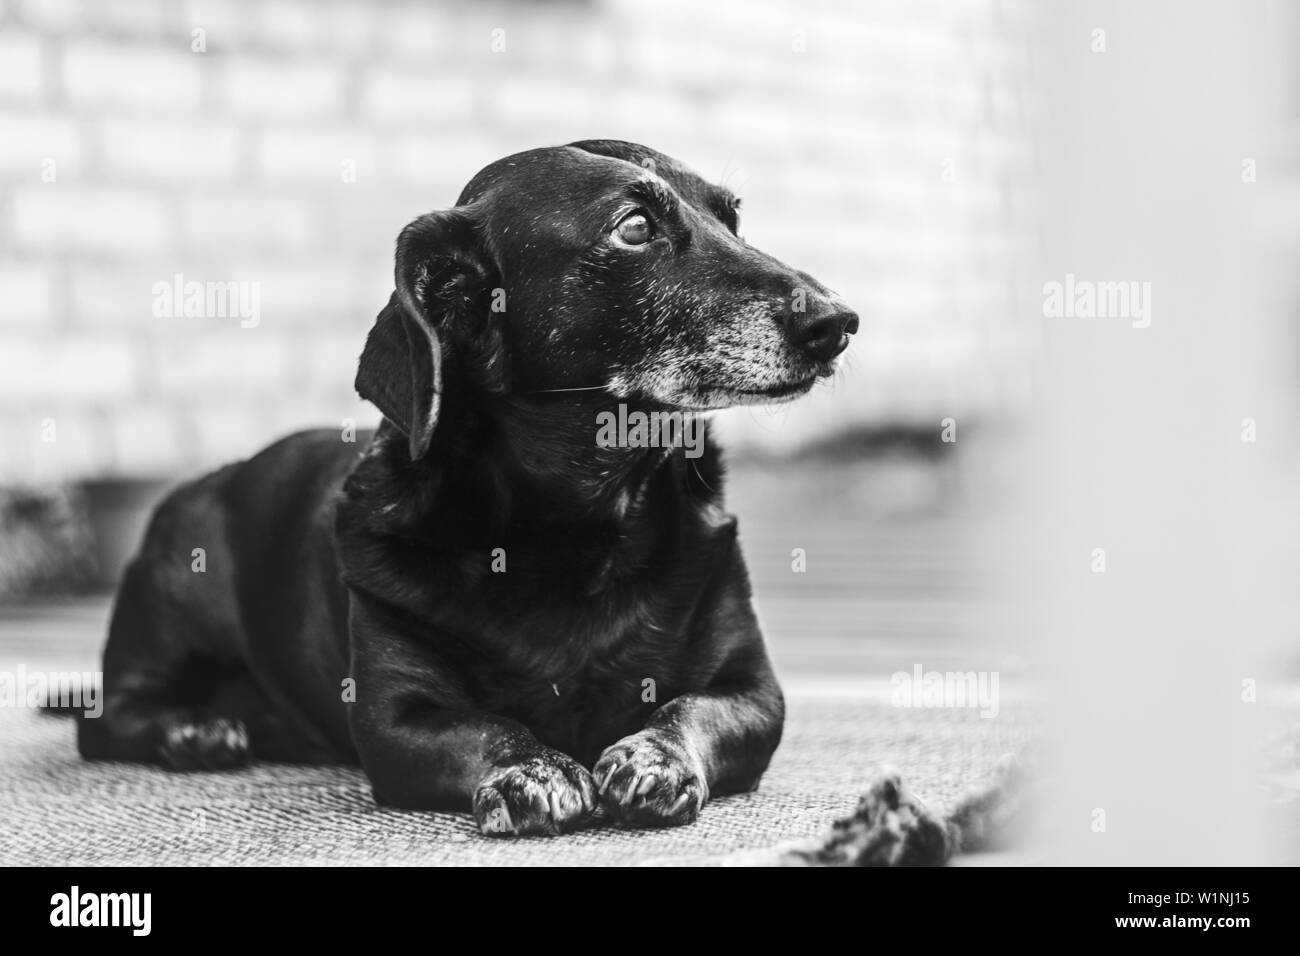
565, 641
582, 666
585, 714
582, 680
579, 637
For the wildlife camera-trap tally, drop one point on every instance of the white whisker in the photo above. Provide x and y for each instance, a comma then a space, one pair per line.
581, 388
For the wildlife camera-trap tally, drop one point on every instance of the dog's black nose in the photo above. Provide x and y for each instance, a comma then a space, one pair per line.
822, 330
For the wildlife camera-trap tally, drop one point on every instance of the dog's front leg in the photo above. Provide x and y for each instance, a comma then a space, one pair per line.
702, 744
421, 754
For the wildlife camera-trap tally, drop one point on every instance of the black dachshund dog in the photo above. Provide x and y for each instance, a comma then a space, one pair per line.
481, 603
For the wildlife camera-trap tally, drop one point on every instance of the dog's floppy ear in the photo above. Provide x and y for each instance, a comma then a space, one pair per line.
440, 270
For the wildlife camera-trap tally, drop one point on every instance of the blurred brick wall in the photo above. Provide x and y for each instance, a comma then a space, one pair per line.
886, 148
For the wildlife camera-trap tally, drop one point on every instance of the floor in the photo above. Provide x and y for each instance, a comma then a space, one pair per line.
886, 591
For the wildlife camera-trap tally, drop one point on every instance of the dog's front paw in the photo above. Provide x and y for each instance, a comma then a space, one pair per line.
547, 792
651, 779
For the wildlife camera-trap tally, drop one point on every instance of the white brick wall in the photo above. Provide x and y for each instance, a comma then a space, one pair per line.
403, 97
113, 296
144, 438
315, 158
159, 154
290, 89
135, 78
81, 370
226, 165
221, 359
61, 217
82, 445
27, 303
28, 141
23, 76
52, 15
334, 28
218, 222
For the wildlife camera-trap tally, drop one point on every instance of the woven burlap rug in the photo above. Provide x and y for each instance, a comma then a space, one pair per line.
60, 810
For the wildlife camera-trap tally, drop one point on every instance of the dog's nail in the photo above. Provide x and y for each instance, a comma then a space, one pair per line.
630, 792
646, 785
679, 804
609, 776
557, 805
499, 821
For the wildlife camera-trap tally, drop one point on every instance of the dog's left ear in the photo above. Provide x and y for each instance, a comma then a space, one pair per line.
442, 273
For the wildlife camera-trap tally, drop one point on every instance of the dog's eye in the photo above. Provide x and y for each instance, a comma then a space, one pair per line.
635, 230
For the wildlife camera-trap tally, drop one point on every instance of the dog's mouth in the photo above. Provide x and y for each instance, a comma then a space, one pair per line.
719, 385
707, 398
773, 393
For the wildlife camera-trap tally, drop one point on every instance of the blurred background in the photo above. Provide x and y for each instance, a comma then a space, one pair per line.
885, 148
935, 162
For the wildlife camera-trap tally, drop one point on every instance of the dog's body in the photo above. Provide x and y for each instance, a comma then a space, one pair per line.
482, 602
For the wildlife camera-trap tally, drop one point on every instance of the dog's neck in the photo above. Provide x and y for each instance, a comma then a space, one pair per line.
552, 454
498, 463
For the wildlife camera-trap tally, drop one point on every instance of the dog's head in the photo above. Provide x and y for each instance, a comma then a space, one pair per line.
605, 267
